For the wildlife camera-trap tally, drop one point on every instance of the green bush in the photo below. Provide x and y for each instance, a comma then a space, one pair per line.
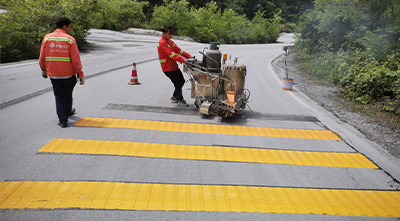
208, 24
118, 14
289, 27
273, 28
175, 14
355, 44
25, 24
259, 28
326, 66
232, 28
369, 80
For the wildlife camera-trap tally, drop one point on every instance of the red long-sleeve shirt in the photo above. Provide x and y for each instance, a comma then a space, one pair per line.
59, 55
169, 53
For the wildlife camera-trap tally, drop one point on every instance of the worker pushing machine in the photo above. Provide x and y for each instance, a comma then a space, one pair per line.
169, 53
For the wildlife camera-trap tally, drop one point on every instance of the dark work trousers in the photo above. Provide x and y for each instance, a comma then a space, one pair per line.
177, 79
63, 89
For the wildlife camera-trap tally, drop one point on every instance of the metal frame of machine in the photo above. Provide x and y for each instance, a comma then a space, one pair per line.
217, 91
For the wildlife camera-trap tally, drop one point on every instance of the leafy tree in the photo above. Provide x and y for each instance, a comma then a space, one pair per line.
290, 9
227, 21
293, 9
370, 80
233, 28
119, 14
25, 24
206, 22
355, 43
173, 13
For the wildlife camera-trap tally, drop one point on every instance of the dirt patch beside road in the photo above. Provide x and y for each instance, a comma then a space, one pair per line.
373, 126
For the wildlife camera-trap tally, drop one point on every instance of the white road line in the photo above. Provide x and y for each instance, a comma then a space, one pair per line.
3, 66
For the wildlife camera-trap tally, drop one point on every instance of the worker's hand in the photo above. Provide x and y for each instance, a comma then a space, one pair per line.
44, 74
81, 81
184, 61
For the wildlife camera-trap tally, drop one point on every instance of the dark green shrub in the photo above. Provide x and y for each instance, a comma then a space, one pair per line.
369, 80
233, 28
207, 24
25, 24
119, 14
355, 44
175, 14
289, 27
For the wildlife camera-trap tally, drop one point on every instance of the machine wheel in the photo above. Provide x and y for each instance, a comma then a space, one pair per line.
197, 103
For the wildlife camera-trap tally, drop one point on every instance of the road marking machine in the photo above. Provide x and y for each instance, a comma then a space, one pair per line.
217, 90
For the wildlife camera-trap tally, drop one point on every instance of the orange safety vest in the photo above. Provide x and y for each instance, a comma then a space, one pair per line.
169, 53
59, 55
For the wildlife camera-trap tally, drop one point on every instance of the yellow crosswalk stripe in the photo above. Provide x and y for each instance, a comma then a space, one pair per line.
213, 153
206, 128
185, 197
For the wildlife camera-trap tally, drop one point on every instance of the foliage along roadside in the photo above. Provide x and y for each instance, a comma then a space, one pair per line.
208, 24
24, 25
355, 45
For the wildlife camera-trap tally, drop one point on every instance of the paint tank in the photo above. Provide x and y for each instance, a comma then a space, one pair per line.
212, 58
236, 75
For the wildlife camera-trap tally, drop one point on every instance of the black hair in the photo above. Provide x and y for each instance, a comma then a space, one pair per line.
62, 21
168, 29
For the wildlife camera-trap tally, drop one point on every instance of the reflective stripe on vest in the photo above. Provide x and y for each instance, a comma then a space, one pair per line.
58, 59
58, 39
180, 53
172, 55
163, 60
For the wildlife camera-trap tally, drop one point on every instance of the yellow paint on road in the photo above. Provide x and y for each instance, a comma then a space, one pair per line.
213, 153
206, 128
183, 197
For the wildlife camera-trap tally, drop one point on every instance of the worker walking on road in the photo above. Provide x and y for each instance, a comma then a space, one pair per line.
169, 53
59, 59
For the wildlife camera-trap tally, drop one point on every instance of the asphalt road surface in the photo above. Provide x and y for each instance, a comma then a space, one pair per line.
129, 153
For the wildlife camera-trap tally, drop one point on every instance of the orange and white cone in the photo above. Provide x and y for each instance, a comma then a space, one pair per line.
134, 78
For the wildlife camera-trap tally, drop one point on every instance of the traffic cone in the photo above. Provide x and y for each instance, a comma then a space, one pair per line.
134, 78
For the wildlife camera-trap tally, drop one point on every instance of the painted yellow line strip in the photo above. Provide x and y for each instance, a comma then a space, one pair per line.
213, 153
183, 197
206, 128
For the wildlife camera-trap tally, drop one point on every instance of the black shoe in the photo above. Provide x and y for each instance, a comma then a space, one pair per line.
183, 103
72, 112
63, 124
174, 99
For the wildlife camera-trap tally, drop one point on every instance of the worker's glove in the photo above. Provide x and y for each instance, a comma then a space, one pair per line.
44, 74
81, 81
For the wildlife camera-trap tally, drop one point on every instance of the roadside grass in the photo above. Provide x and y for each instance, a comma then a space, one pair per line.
375, 113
